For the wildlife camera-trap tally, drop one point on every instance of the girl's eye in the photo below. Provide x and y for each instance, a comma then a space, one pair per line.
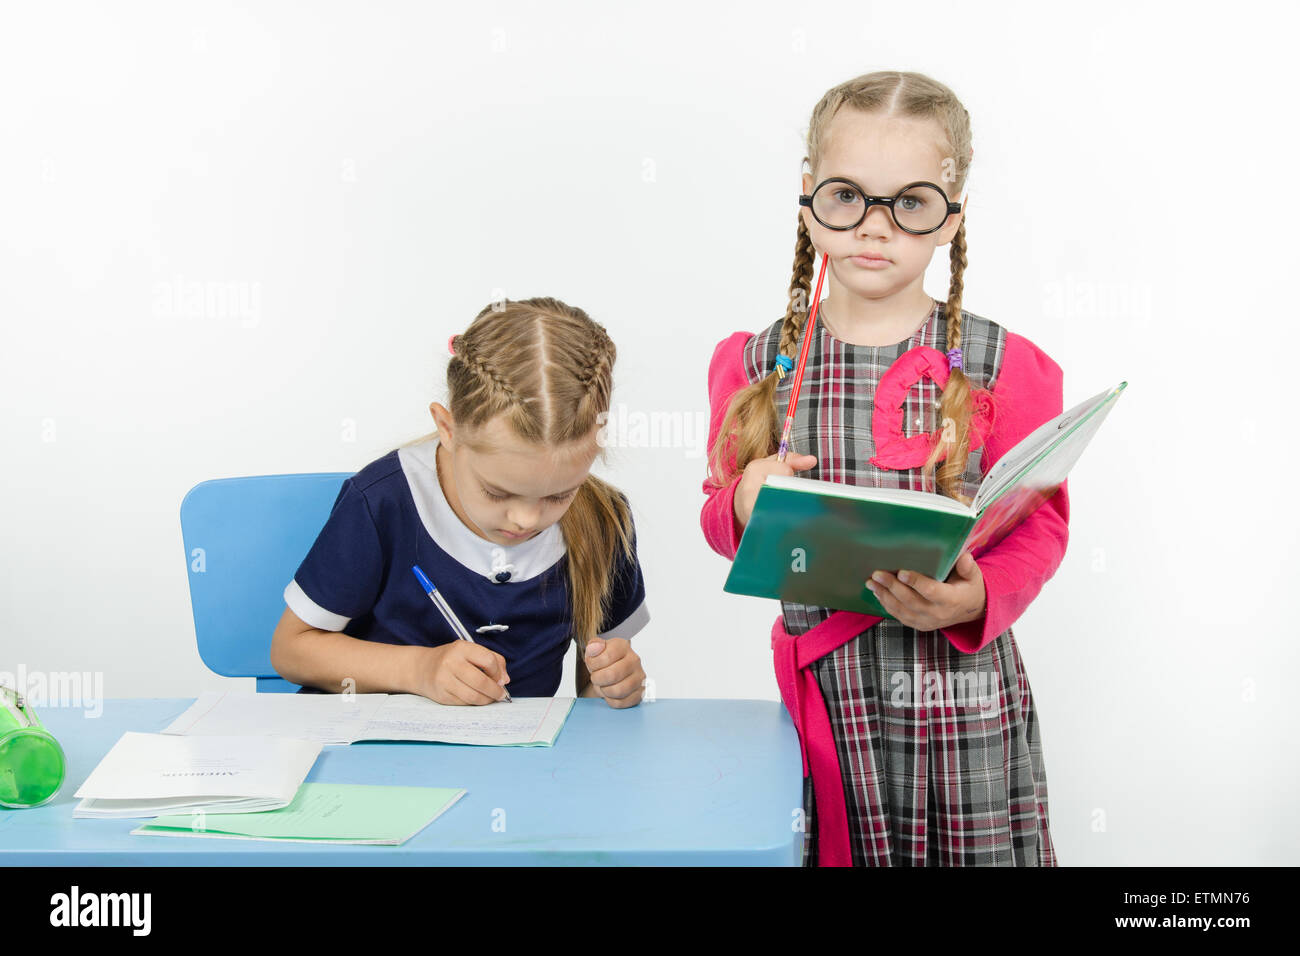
846, 196
554, 498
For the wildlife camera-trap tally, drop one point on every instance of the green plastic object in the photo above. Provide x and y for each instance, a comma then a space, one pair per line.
31, 761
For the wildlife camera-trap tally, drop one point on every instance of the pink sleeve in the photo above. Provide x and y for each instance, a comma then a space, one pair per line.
1028, 392
726, 377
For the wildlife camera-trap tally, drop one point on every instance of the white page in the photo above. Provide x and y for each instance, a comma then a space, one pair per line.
1052, 432
121, 809
526, 720
142, 771
327, 718
332, 719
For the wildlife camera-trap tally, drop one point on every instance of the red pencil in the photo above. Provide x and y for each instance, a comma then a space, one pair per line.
798, 369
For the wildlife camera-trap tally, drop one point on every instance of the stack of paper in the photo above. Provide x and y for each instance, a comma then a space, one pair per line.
323, 813
339, 719
145, 775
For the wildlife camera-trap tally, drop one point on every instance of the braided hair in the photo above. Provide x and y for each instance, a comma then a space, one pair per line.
548, 369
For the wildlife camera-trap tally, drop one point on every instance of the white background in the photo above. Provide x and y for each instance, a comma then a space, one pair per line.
370, 175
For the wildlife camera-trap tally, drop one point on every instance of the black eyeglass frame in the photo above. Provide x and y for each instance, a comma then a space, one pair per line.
886, 201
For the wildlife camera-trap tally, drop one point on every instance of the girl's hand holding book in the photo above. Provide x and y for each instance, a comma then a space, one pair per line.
927, 604
464, 673
757, 471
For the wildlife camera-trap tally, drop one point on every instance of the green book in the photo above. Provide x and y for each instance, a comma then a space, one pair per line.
817, 542
322, 813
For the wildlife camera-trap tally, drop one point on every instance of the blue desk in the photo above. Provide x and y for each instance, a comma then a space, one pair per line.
673, 782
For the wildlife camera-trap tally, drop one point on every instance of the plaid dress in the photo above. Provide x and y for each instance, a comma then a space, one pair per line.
939, 750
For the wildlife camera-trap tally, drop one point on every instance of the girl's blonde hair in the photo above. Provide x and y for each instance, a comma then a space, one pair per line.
751, 428
548, 368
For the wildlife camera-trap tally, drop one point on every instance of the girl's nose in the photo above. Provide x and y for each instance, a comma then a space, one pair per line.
525, 516
877, 220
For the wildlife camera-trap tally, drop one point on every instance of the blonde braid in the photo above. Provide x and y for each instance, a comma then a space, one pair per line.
751, 428
800, 282
486, 373
955, 405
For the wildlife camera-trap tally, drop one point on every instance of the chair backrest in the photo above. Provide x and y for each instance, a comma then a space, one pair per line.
244, 539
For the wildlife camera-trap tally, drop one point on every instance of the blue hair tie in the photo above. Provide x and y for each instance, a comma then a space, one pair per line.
782, 365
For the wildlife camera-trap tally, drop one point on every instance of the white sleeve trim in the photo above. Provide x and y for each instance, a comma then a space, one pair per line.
310, 612
629, 625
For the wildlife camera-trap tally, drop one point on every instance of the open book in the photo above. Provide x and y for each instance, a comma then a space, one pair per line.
817, 542
347, 719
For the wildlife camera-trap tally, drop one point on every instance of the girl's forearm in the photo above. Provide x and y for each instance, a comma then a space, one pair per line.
335, 662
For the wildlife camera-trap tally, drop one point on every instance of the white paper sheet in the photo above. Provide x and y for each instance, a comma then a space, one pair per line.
527, 721
330, 719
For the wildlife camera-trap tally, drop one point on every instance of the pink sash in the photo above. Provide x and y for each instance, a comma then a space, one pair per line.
793, 656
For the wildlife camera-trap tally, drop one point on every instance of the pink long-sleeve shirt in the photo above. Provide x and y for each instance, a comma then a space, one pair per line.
1028, 388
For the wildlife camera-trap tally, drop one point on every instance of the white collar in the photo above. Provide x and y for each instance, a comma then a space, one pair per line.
522, 561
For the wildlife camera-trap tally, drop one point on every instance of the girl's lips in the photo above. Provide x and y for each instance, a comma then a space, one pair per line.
869, 263
517, 537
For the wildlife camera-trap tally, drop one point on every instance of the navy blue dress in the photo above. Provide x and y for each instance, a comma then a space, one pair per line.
391, 515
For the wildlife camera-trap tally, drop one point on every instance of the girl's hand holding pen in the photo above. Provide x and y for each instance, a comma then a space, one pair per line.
616, 672
758, 470
927, 604
460, 672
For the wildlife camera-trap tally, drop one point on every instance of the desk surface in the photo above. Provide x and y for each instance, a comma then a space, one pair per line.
671, 782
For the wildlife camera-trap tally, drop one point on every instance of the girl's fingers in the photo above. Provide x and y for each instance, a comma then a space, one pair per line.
624, 688
475, 687
920, 583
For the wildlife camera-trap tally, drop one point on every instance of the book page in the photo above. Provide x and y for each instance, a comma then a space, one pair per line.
903, 496
1037, 469
1055, 446
526, 721
328, 718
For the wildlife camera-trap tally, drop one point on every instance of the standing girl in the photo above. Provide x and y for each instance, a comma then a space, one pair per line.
499, 509
920, 737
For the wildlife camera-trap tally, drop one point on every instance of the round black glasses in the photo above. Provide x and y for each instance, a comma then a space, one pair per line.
917, 208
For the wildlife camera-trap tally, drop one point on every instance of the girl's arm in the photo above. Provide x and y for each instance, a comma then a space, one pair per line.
306, 655
726, 377
1028, 392
454, 673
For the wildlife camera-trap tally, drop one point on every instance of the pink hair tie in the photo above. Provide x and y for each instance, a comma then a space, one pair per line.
451, 345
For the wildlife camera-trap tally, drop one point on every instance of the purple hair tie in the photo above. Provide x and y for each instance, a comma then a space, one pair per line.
954, 358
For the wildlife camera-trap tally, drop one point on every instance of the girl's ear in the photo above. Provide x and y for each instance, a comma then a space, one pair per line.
443, 422
949, 231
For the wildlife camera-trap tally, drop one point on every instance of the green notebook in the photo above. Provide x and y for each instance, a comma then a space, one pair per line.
817, 542
322, 813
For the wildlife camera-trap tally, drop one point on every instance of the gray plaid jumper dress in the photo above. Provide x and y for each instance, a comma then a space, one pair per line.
960, 784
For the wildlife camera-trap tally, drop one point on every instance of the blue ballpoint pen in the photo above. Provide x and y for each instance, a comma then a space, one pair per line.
445, 609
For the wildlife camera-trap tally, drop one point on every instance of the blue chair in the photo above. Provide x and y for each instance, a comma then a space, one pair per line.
244, 539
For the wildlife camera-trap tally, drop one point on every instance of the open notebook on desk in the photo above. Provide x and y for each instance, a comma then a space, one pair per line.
339, 719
